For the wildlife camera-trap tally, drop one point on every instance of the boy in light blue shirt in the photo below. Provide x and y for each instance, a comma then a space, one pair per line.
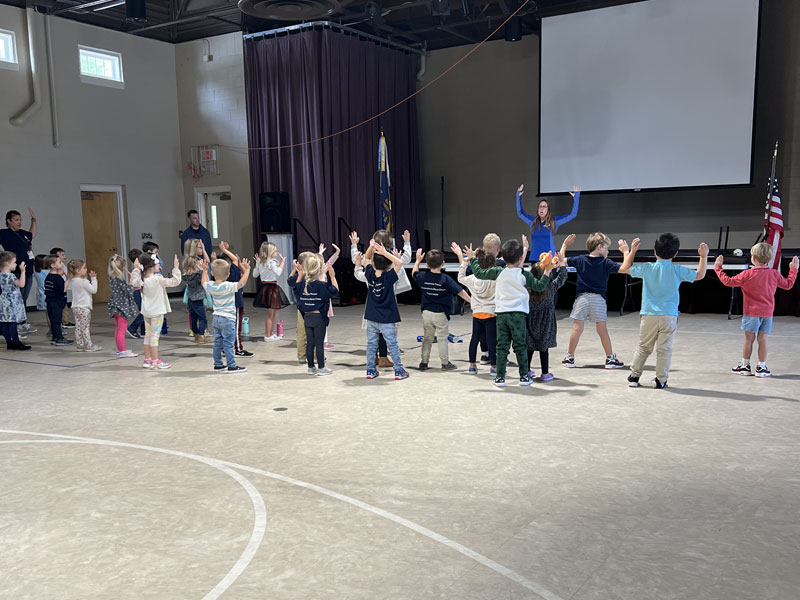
658, 322
223, 324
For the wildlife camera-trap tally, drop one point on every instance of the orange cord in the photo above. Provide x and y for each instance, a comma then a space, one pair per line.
403, 101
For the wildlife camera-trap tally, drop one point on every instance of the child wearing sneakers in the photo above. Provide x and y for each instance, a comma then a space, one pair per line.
55, 294
136, 327
484, 320
758, 288
223, 323
511, 304
82, 291
121, 305
155, 304
593, 270
301, 328
235, 275
660, 298
381, 313
437, 290
491, 246
313, 296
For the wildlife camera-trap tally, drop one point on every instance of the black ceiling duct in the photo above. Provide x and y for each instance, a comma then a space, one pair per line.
135, 10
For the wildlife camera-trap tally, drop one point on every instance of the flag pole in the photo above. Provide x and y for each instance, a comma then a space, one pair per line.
763, 235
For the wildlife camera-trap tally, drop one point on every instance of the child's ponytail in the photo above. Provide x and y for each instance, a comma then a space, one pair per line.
312, 267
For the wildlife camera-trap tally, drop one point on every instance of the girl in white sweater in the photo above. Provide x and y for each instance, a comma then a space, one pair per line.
82, 291
155, 304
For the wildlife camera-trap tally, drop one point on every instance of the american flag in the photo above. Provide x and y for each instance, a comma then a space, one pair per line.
773, 221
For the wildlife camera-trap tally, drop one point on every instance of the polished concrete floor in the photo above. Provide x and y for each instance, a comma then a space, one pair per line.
123, 483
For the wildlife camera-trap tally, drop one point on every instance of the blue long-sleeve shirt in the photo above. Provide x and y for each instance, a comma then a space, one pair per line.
197, 234
542, 239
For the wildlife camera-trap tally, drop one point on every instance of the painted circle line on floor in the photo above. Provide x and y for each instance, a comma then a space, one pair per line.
260, 516
469, 553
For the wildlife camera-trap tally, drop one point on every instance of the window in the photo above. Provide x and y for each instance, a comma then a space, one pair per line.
101, 67
8, 50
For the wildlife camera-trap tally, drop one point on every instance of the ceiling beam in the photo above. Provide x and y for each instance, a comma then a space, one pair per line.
196, 17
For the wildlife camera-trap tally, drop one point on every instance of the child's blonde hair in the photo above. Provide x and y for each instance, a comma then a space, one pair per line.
190, 247
190, 263
73, 266
762, 253
312, 268
301, 258
492, 243
116, 267
220, 269
266, 251
595, 240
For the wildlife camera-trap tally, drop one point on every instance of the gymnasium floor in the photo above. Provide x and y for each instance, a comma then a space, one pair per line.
122, 483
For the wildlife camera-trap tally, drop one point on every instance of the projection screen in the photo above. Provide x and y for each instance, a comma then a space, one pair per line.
654, 94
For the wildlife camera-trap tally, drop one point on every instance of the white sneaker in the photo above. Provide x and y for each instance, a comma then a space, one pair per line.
311, 371
93, 348
324, 371
127, 354
270, 338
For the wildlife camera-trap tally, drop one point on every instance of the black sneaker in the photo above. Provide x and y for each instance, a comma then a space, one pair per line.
525, 380
134, 334
485, 359
220, 369
68, 325
400, 375
659, 385
448, 366
742, 369
61, 342
243, 353
763, 371
633, 381
569, 361
500, 381
237, 369
612, 362
423, 366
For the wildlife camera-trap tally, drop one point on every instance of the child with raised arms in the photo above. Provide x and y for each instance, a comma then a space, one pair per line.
121, 305
313, 297
511, 304
155, 304
658, 321
223, 323
758, 288
593, 270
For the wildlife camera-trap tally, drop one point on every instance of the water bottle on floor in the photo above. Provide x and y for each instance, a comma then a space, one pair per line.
280, 329
245, 325
454, 339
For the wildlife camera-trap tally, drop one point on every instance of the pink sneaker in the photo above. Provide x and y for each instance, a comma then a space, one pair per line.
148, 364
159, 364
328, 346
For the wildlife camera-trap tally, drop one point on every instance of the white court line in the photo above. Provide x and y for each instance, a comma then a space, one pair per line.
469, 553
260, 516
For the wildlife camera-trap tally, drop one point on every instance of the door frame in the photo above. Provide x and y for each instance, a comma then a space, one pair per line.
200, 206
122, 220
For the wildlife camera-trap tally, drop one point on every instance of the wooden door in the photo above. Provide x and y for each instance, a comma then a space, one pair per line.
100, 227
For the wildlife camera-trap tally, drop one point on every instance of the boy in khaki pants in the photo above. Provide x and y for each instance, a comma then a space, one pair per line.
660, 298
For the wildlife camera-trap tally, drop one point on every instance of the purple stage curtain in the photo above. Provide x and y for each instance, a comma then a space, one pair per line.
308, 85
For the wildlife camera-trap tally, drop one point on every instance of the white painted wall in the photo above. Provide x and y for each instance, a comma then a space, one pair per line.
123, 137
211, 104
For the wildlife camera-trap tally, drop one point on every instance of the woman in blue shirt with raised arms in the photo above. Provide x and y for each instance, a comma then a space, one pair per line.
544, 225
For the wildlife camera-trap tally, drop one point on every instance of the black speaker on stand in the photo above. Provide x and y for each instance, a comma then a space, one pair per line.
273, 212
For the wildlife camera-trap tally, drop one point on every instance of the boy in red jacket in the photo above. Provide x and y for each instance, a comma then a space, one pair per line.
758, 287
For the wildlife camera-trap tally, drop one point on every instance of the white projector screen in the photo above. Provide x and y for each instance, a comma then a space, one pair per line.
654, 94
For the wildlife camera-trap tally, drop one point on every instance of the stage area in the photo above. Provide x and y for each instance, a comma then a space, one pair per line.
123, 483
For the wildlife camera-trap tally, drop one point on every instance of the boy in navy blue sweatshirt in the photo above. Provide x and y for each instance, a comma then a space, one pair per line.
55, 295
438, 290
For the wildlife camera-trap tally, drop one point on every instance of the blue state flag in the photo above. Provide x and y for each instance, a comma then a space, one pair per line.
385, 201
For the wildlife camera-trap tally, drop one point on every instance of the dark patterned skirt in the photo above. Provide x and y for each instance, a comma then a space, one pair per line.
270, 295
